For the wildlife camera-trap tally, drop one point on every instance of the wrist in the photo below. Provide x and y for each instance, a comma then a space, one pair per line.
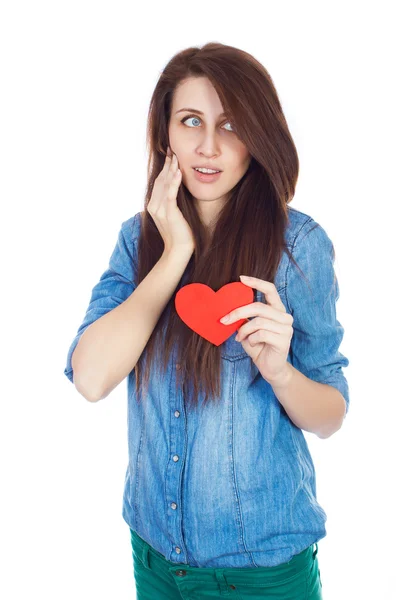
283, 379
179, 251
180, 255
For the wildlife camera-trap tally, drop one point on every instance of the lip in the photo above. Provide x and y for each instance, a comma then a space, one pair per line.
207, 167
206, 177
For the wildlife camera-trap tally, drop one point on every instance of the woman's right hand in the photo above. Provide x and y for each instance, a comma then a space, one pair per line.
163, 207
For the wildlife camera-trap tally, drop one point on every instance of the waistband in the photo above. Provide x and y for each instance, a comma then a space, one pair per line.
284, 571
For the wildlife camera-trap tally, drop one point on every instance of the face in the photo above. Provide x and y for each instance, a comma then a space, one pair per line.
208, 138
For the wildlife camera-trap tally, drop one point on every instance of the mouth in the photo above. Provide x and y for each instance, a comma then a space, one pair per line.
206, 177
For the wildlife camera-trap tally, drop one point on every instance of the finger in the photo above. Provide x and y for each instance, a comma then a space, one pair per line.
260, 323
163, 181
259, 309
172, 169
166, 167
268, 337
167, 163
174, 185
269, 290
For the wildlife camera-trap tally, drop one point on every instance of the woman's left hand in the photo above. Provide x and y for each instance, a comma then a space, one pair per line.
267, 337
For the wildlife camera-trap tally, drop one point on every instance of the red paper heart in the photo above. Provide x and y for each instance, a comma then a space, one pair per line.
201, 308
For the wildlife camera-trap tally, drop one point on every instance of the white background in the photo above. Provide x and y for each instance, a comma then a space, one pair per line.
76, 81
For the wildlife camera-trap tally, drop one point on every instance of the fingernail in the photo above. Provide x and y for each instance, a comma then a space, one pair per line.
224, 320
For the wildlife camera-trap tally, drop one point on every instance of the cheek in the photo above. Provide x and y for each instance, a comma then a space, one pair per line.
240, 160
239, 169
245, 164
177, 146
174, 140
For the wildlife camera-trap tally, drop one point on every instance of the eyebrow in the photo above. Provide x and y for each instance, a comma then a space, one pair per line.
195, 110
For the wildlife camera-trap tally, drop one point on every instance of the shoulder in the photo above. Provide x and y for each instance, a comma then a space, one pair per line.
131, 227
125, 251
302, 230
130, 231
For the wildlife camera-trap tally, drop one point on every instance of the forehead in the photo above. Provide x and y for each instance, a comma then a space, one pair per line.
198, 93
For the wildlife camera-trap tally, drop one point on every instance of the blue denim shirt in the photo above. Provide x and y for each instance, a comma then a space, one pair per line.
231, 484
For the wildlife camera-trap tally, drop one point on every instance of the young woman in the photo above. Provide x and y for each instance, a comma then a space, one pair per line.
220, 489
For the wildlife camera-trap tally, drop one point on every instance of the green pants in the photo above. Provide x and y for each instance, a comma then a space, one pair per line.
158, 579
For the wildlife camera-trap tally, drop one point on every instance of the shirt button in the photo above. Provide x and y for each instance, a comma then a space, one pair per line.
177, 550
180, 572
177, 413
177, 366
173, 505
175, 458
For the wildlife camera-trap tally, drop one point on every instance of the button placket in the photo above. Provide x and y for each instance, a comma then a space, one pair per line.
175, 458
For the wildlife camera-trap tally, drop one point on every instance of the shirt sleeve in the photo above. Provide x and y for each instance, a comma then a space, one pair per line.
116, 284
317, 333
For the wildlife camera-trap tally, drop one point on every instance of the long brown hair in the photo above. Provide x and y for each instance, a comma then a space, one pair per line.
248, 237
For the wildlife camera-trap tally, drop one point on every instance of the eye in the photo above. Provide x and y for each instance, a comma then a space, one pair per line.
198, 119
228, 123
